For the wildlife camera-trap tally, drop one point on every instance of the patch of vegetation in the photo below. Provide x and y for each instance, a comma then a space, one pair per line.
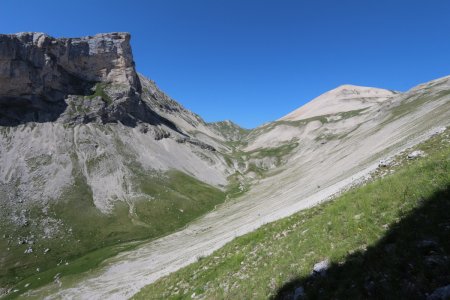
324, 119
86, 237
351, 113
408, 105
371, 235
299, 123
230, 130
235, 145
443, 93
237, 186
76, 266
412, 103
327, 137
77, 106
277, 152
253, 161
37, 161
78, 244
255, 169
228, 160
174, 202
99, 91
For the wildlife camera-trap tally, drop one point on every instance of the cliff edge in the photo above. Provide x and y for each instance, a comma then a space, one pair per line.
46, 79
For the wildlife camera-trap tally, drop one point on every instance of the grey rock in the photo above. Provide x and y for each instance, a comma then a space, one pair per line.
157, 132
427, 244
384, 163
3, 291
299, 293
321, 268
20, 218
439, 130
442, 293
436, 260
202, 145
416, 154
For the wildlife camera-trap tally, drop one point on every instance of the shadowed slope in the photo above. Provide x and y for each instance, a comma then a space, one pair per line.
410, 261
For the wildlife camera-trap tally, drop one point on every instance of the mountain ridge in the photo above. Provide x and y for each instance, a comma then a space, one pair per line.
340, 99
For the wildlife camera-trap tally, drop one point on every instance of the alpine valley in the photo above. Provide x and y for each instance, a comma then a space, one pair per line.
107, 184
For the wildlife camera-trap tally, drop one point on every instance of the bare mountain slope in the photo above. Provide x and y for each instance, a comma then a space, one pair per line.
341, 99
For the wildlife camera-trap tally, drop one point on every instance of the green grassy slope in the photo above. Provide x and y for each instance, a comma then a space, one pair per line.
388, 238
87, 236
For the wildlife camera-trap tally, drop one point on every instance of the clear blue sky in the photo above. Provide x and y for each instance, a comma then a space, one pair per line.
253, 61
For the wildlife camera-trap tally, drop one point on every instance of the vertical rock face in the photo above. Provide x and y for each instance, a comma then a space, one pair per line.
38, 72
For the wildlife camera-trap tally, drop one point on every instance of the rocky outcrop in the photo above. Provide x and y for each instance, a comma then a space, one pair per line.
195, 142
39, 73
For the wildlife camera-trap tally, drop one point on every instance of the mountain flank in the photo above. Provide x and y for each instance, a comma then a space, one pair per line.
341, 99
387, 238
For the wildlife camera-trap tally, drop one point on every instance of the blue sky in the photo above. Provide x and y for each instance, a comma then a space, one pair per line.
253, 61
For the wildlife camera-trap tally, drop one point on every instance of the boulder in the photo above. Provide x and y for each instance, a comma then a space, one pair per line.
442, 293
320, 268
384, 163
416, 154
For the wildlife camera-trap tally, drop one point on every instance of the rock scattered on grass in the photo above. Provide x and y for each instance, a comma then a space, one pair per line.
416, 154
57, 280
438, 130
321, 267
384, 163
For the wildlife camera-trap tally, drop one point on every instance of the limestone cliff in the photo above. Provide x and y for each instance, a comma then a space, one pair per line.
69, 80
